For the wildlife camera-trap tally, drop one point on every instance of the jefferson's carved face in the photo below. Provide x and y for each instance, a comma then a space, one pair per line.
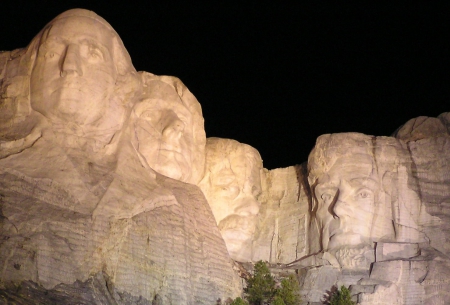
164, 132
74, 73
231, 186
346, 196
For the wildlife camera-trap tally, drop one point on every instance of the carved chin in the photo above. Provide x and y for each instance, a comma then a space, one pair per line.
172, 164
355, 257
238, 243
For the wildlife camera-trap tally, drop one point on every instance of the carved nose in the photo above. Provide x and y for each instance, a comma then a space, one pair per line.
174, 129
71, 62
342, 208
247, 207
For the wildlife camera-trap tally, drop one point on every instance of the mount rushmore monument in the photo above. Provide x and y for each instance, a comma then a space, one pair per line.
110, 192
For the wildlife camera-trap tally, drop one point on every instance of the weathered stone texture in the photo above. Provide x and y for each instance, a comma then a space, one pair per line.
175, 251
283, 221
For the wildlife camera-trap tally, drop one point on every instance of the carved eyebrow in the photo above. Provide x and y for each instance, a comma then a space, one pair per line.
48, 41
88, 41
96, 44
367, 182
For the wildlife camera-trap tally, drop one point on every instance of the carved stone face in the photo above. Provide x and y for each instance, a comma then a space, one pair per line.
346, 195
352, 209
231, 185
74, 73
164, 138
169, 130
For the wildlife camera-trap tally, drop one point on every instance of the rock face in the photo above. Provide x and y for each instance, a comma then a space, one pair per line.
282, 232
85, 218
104, 172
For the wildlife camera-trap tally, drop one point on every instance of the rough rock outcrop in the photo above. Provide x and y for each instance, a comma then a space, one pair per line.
282, 232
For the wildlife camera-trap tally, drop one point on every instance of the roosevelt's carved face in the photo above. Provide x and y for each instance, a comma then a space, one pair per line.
74, 73
232, 185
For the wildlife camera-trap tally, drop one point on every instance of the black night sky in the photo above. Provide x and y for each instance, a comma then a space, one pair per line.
276, 76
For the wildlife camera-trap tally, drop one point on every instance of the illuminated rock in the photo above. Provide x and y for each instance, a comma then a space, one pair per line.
232, 184
169, 129
282, 230
379, 205
83, 211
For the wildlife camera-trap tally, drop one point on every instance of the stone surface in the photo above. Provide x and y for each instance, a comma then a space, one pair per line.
232, 184
391, 251
281, 234
79, 193
421, 128
104, 172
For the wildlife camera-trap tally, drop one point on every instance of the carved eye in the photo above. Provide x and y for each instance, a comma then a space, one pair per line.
364, 194
50, 54
146, 114
95, 53
326, 197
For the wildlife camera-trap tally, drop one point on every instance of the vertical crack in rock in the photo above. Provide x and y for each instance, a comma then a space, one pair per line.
302, 178
414, 172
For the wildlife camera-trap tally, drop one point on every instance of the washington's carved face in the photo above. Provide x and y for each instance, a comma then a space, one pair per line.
232, 186
346, 195
164, 132
74, 73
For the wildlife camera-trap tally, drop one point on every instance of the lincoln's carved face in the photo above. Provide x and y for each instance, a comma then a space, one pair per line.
232, 185
346, 196
74, 73
351, 207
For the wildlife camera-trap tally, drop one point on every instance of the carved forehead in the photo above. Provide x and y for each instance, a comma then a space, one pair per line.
159, 106
87, 23
351, 167
353, 152
230, 151
82, 13
79, 27
225, 156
